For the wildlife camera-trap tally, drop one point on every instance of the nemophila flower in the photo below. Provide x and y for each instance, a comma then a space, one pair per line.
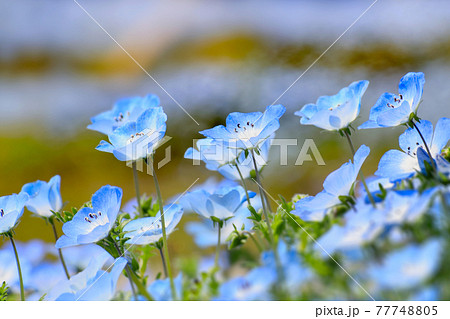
360, 226
92, 224
124, 111
397, 165
92, 284
294, 269
137, 139
160, 289
338, 183
335, 112
148, 230
222, 204
220, 156
11, 209
78, 258
44, 197
205, 235
44, 277
392, 109
256, 285
407, 267
248, 130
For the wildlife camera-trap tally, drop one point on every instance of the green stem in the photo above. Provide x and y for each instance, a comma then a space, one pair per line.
361, 175
163, 227
257, 244
426, 146
127, 269
136, 186
19, 270
61, 258
163, 259
243, 184
266, 216
216, 260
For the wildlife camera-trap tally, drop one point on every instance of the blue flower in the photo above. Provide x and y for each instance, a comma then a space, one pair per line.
397, 165
338, 183
222, 204
137, 139
256, 285
248, 130
219, 156
205, 235
92, 284
124, 111
148, 230
393, 110
11, 209
294, 269
90, 225
160, 289
44, 197
335, 112
407, 267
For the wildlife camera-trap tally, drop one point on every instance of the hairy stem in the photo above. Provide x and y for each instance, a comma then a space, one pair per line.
19, 270
127, 269
426, 146
216, 260
61, 257
163, 260
361, 175
243, 184
136, 187
163, 227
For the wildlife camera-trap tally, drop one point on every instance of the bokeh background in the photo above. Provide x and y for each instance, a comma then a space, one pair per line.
58, 68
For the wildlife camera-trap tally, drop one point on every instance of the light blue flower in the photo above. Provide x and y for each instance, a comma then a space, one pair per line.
147, 230
338, 183
407, 267
335, 112
256, 285
11, 209
393, 110
160, 289
137, 139
124, 111
248, 130
78, 258
90, 225
222, 204
205, 235
92, 284
294, 269
221, 157
8, 268
44, 197
397, 165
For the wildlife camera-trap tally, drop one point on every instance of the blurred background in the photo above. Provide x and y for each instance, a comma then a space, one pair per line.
58, 68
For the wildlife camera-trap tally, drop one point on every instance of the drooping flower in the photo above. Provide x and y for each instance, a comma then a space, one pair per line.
137, 139
394, 110
223, 158
160, 289
397, 165
338, 183
92, 284
335, 112
407, 267
124, 111
247, 130
222, 204
11, 209
44, 197
148, 230
90, 225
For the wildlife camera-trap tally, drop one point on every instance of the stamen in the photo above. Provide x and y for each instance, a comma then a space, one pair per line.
87, 219
99, 213
2, 212
239, 125
401, 97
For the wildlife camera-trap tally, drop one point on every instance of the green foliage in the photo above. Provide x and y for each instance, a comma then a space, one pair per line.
3, 291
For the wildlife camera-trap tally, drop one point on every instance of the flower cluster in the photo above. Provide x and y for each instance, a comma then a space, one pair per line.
389, 231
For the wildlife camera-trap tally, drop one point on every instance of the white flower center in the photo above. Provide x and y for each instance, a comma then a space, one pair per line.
134, 137
397, 102
246, 131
